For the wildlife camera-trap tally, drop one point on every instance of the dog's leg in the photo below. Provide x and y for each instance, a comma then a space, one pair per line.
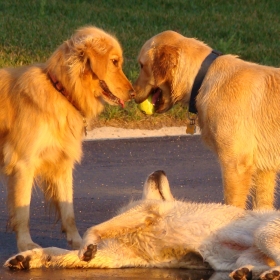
263, 194
267, 240
58, 189
237, 180
19, 195
133, 220
110, 255
36, 258
157, 187
251, 263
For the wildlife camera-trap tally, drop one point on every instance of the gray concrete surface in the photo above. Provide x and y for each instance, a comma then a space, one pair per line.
111, 173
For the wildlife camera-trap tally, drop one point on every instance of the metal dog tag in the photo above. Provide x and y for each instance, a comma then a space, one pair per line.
191, 127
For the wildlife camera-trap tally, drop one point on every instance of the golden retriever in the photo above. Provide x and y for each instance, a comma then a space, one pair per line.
159, 231
237, 105
43, 112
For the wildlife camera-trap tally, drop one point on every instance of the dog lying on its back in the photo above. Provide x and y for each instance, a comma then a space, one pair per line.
159, 231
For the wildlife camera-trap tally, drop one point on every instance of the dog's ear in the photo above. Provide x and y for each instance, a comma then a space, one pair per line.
91, 55
96, 52
164, 62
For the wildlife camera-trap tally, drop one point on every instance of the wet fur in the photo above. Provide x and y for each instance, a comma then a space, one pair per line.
238, 110
41, 129
159, 231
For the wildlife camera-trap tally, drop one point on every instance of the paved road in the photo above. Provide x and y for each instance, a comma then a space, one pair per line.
111, 173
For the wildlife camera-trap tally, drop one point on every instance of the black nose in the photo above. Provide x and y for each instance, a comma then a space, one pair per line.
132, 93
160, 172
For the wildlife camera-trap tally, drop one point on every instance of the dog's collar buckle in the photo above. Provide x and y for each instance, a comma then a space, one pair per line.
199, 78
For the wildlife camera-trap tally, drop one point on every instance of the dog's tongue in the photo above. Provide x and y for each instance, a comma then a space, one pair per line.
155, 96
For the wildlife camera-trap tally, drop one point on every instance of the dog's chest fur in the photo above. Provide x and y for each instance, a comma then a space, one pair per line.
177, 230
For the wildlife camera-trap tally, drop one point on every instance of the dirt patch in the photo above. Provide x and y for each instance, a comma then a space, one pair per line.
147, 122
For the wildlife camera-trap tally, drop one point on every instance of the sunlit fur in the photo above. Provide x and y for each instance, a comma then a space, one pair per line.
159, 231
238, 110
41, 130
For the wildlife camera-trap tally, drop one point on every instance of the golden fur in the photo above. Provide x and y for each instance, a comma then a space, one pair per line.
160, 231
238, 110
41, 129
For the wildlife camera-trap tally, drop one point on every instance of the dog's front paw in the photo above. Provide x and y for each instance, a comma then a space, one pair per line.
90, 252
273, 274
89, 245
18, 262
243, 273
87, 253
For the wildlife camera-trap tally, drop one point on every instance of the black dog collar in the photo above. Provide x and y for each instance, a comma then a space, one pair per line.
199, 78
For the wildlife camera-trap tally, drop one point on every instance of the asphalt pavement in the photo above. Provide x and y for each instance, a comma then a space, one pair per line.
112, 173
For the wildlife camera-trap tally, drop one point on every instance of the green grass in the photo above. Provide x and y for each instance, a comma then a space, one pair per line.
31, 30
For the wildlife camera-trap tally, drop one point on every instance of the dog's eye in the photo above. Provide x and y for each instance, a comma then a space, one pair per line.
115, 62
141, 65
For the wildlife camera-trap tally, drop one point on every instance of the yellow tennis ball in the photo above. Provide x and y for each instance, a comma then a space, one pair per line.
147, 106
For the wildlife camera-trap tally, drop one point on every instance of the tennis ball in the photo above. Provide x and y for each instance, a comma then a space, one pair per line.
147, 106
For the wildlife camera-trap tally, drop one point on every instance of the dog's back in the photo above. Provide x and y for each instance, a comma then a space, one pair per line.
250, 92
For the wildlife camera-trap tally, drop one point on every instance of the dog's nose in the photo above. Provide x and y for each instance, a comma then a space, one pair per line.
132, 93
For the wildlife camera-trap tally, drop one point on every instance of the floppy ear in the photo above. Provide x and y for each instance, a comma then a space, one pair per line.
165, 60
97, 52
92, 54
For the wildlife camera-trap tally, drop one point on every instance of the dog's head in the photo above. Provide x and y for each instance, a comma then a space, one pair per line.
157, 187
89, 66
169, 63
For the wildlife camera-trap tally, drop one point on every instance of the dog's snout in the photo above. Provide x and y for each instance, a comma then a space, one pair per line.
156, 175
132, 93
160, 172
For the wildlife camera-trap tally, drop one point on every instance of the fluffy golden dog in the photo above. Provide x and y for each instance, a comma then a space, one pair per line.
159, 231
237, 104
43, 112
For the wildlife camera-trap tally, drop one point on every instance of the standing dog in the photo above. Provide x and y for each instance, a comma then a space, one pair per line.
43, 111
237, 104
159, 231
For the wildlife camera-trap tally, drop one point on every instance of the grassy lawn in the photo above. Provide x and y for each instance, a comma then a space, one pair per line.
31, 30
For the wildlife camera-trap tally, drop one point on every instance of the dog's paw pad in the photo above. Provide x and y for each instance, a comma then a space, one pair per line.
242, 274
19, 262
272, 275
90, 252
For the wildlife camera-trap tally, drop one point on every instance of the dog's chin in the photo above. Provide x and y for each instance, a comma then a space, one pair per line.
139, 98
163, 108
161, 100
159, 97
